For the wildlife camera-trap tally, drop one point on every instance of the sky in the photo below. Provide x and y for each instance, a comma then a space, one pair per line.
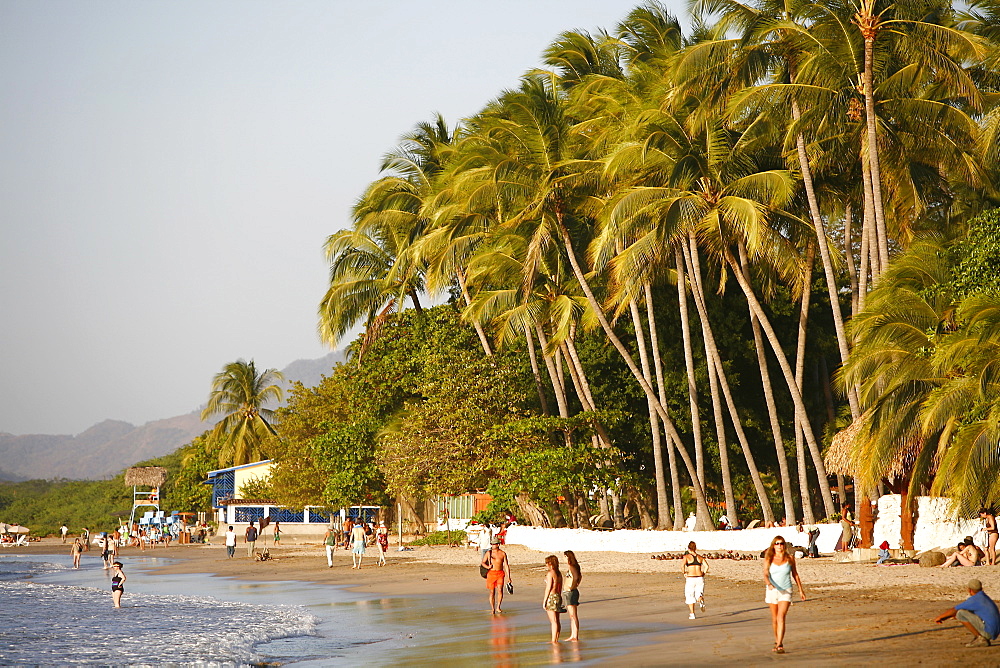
169, 172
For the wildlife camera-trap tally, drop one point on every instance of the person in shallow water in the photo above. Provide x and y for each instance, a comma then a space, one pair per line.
117, 583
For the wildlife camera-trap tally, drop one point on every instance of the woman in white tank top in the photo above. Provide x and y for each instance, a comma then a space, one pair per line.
779, 571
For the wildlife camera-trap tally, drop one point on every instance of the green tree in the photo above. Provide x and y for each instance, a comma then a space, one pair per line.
240, 396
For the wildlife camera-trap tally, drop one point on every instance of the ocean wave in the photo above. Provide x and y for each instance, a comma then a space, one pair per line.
63, 624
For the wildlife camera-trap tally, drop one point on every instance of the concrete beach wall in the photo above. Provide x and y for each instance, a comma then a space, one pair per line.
631, 540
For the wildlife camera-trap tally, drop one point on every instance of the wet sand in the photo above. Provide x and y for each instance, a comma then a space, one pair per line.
632, 607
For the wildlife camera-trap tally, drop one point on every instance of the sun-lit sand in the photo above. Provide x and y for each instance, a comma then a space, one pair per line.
855, 613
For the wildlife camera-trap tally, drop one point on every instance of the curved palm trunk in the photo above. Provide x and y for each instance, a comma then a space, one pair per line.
800, 358
772, 409
716, 361
824, 253
555, 375
696, 482
661, 390
699, 456
416, 302
483, 339
535, 371
662, 505
786, 370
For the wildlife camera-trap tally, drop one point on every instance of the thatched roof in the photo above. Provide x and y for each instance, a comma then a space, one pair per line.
146, 476
839, 458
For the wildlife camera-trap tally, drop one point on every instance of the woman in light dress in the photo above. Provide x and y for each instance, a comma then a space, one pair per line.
779, 572
382, 541
552, 599
571, 595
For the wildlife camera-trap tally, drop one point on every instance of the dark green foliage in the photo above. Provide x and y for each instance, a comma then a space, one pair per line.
441, 538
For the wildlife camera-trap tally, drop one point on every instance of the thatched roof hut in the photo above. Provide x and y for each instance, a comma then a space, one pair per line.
839, 458
146, 476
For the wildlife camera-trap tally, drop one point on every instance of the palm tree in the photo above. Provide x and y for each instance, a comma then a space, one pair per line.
240, 396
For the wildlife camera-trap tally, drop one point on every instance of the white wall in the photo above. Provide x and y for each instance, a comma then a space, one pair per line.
629, 540
936, 523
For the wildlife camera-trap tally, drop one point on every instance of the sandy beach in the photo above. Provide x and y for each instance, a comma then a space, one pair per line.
855, 613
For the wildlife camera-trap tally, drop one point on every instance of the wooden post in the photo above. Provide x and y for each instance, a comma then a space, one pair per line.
865, 518
906, 520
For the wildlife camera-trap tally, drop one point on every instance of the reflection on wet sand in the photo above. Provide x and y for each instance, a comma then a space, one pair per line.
454, 635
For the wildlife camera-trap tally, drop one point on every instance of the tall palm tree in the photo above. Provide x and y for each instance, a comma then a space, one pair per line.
240, 396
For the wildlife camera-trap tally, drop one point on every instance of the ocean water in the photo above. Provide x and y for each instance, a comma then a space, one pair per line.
51, 614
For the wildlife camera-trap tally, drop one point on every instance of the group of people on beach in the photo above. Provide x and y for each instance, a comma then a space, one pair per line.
560, 595
357, 537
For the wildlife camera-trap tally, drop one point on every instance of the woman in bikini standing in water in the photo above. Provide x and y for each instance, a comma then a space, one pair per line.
552, 599
571, 596
779, 571
694, 566
117, 583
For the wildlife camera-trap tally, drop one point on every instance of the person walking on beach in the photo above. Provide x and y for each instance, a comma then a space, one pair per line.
552, 598
978, 614
277, 533
63, 531
251, 539
485, 536
382, 541
779, 571
348, 527
106, 550
330, 540
76, 551
86, 539
571, 595
989, 520
694, 567
358, 541
230, 543
117, 583
498, 569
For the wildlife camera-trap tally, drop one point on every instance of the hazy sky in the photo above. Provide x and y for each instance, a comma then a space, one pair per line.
169, 172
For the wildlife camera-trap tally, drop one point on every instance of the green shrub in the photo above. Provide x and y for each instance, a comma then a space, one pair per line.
441, 538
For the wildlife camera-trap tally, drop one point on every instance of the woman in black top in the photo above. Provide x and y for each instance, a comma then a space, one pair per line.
117, 583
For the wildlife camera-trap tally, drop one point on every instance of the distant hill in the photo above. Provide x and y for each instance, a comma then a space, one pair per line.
112, 445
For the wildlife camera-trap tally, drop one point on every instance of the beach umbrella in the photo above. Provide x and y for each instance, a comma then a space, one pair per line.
14, 528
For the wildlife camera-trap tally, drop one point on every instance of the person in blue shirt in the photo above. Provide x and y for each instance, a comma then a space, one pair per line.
978, 614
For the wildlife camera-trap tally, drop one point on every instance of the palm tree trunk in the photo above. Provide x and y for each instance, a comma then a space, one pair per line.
872, 145
661, 390
852, 269
699, 456
772, 410
595, 305
800, 359
483, 339
416, 302
558, 385
786, 370
715, 361
583, 388
535, 371
824, 253
662, 505
871, 236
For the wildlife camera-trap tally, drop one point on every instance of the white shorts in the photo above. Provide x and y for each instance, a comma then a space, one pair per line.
694, 588
773, 595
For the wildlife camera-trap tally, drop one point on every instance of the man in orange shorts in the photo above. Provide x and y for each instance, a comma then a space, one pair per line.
496, 562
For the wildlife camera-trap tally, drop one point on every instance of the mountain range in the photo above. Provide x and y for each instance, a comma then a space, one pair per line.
109, 446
